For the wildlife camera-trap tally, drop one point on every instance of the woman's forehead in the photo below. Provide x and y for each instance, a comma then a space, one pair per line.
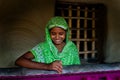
57, 29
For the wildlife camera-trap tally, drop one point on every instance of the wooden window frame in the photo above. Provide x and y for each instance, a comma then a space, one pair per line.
85, 28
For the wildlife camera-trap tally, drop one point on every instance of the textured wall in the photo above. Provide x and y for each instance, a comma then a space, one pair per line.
22, 24
85, 1
113, 38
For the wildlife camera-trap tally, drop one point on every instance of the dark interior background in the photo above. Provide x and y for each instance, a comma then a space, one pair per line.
22, 24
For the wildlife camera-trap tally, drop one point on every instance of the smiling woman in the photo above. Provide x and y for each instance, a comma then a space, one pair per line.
58, 36
53, 53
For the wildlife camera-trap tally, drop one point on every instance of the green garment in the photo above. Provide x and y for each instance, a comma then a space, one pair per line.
46, 52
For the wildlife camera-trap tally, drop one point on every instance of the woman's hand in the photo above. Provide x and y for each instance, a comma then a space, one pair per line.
25, 61
56, 65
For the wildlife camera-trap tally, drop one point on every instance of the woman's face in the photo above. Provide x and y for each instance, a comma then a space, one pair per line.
57, 35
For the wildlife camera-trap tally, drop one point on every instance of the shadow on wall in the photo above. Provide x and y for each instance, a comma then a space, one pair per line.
22, 27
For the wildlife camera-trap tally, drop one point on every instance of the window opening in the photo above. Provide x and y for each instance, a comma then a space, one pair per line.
82, 21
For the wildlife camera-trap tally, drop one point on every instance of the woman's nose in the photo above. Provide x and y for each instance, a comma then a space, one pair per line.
57, 36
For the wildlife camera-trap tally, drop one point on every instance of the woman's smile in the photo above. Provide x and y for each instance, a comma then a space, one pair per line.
57, 35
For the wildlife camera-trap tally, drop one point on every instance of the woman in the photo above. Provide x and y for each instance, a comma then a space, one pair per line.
57, 50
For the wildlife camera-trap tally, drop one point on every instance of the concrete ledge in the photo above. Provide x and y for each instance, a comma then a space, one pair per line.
19, 71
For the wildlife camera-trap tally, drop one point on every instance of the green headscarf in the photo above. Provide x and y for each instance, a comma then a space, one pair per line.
46, 52
57, 22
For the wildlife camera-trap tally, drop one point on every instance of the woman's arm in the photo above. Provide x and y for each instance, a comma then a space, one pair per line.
26, 61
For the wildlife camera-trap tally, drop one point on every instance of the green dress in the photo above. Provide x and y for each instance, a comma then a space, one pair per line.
46, 52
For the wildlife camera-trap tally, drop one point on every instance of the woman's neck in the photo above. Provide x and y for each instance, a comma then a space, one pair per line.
60, 47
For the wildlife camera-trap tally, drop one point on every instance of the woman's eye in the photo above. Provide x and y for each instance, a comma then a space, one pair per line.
61, 33
53, 33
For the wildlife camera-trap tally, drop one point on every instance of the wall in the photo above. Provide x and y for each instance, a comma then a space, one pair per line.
22, 24
113, 38
85, 1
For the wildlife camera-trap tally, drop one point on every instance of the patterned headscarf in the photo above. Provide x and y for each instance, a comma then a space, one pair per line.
57, 22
